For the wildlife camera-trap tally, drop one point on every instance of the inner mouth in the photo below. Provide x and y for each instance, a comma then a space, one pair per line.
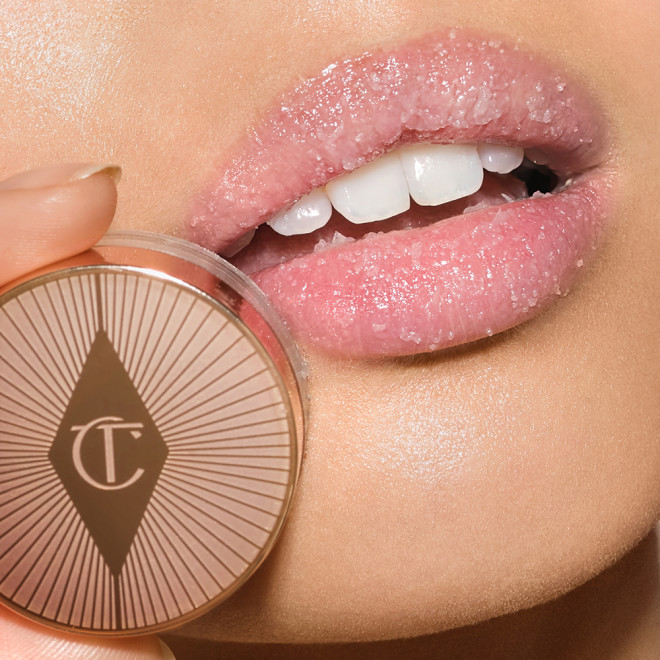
409, 188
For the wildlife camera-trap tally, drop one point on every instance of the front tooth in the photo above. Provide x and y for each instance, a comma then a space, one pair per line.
500, 159
439, 173
375, 191
308, 214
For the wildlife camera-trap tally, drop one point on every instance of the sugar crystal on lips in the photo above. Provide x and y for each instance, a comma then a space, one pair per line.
443, 93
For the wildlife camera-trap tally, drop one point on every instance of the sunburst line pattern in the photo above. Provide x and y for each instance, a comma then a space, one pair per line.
220, 414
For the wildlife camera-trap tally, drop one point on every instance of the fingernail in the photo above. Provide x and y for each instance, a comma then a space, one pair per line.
91, 169
59, 175
166, 651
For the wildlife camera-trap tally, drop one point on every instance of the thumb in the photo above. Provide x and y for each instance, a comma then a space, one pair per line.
21, 639
53, 213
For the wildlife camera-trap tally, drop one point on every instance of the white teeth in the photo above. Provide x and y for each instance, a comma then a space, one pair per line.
308, 214
375, 191
500, 159
431, 174
440, 173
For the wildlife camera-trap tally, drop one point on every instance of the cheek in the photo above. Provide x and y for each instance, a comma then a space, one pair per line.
472, 506
57, 66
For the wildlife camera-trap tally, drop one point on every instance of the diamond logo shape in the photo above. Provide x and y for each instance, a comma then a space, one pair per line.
108, 453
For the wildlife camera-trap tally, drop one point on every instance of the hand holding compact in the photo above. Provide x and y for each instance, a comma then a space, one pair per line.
47, 215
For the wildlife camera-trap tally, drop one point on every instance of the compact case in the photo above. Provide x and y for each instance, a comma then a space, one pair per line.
151, 424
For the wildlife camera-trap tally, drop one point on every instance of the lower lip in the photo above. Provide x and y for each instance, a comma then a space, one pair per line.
453, 282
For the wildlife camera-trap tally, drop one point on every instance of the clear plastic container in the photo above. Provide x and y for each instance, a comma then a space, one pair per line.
152, 410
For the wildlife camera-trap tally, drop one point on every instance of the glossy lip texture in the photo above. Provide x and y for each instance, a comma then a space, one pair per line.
454, 281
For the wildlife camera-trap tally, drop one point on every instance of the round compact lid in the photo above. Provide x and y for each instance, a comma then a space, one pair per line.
150, 440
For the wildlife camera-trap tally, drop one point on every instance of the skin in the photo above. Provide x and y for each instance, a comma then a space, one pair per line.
437, 491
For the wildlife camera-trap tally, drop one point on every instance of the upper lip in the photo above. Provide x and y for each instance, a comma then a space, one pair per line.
348, 115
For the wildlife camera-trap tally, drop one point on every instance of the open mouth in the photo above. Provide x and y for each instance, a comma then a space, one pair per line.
411, 200
408, 188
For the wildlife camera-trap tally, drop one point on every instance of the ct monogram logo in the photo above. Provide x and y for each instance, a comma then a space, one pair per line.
108, 452
103, 430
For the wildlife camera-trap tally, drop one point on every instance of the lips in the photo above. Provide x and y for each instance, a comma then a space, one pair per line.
433, 277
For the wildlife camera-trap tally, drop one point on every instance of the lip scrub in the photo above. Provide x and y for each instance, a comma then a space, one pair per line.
151, 426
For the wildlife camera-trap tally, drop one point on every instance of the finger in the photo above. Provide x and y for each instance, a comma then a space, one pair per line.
47, 215
21, 638
53, 213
